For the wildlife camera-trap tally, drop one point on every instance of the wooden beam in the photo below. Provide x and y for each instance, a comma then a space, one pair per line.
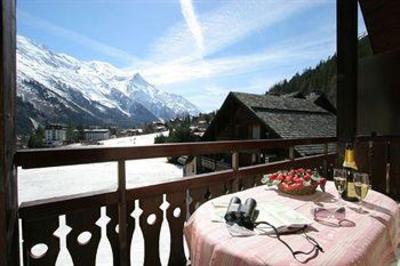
9, 252
59, 157
122, 215
383, 24
65, 204
347, 68
235, 168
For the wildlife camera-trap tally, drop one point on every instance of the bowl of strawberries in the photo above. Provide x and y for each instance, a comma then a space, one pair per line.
296, 181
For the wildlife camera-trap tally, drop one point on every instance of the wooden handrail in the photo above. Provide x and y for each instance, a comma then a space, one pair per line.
363, 138
39, 158
60, 205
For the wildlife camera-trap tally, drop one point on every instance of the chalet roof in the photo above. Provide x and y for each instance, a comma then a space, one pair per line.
270, 103
291, 117
96, 130
55, 126
299, 125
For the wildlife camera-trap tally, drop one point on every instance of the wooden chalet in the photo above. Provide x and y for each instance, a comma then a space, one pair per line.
251, 116
245, 116
367, 101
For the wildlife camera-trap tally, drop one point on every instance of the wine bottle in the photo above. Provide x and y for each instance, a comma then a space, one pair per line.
349, 164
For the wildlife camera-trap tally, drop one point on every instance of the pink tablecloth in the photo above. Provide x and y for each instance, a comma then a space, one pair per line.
373, 239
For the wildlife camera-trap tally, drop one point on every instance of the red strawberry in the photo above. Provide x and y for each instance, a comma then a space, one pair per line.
284, 186
297, 186
307, 177
299, 181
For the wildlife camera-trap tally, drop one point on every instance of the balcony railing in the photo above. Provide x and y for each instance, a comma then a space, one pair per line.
40, 219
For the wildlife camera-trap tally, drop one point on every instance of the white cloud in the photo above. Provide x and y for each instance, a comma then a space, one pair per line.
77, 37
179, 66
192, 23
301, 47
229, 24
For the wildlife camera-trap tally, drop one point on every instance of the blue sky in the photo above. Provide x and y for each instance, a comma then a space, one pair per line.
199, 49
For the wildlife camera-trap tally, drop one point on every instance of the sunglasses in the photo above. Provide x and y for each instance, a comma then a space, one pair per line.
324, 213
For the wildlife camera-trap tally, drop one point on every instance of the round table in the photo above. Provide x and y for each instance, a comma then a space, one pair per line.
372, 239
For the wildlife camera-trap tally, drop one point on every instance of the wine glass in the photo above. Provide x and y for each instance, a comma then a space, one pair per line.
361, 187
340, 179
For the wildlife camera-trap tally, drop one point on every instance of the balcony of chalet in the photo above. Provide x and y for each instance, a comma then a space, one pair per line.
42, 218
367, 116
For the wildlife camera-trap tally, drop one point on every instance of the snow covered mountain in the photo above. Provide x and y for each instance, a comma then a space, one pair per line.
55, 87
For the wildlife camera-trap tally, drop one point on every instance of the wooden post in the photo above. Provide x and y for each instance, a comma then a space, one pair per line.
235, 167
122, 215
347, 70
325, 161
291, 153
9, 240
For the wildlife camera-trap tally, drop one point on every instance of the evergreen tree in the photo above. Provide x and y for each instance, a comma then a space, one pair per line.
81, 133
160, 139
36, 140
70, 133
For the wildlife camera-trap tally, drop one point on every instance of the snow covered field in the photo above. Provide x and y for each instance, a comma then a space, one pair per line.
67, 180
59, 181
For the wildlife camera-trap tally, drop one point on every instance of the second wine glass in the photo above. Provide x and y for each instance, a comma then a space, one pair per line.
361, 186
340, 179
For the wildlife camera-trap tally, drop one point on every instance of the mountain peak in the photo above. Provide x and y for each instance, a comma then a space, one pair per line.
139, 80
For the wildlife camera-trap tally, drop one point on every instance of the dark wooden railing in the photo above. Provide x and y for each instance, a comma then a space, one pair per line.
40, 219
380, 157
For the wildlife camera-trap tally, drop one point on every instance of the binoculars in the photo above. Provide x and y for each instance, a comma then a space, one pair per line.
241, 214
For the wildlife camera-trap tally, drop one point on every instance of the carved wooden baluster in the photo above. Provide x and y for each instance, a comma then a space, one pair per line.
216, 190
199, 196
325, 161
40, 231
83, 221
151, 232
229, 186
112, 233
131, 223
247, 182
235, 184
176, 215
257, 180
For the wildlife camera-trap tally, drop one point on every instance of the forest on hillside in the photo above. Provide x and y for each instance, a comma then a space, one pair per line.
321, 77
